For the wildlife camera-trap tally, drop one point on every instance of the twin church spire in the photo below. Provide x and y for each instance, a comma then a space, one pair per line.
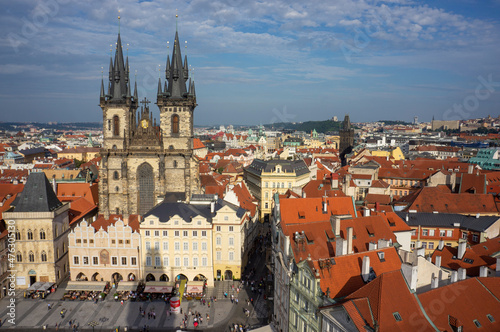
176, 77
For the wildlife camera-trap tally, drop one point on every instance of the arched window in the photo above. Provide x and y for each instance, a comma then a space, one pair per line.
117, 189
30, 235
116, 176
42, 235
175, 163
19, 257
18, 235
44, 256
116, 125
31, 256
117, 210
175, 124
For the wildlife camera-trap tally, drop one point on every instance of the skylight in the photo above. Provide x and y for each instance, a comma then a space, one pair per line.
397, 316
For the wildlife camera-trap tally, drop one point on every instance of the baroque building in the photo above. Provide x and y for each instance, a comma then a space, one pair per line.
142, 161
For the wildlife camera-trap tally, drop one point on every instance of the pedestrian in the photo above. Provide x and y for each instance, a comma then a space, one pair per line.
57, 327
121, 302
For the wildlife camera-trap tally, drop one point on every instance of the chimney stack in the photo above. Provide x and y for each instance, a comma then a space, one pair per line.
441, 245
377, 206
325, 207
365, 269
454, 277
382, 243
497, 270
350, 232
367, 212
462, 275
212, 207
341, 246
470, 170
335, 222
438, 261
421, 252
483, 271
372, 246
434, 282
462, 245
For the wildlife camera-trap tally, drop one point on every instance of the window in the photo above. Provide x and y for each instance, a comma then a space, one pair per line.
165, 246
177, 246
425, 232
490, 317
116, 176
475, 238
157, 261
231, 255
148, 245
231, 228
185, 246
289, 185
413, 232
397, 316
195, 246
18, 235
431, 245
186, 261
424, 245
95, 260
42, 235
133, 261
114, 260
148, 233
218, 255
76, 260
204, 246
449, 233
185, 233
226, 218
116, 125
431, 232
157, 245
176, 222
177, 261
199, 222
195, 261
464, 235
442, 233
266, 195
412, 245
476, 322
165, 233
148, 260
177, 233
266, 205
195, 233
157, 233
218, 228
218, 240
204, 261
85, 260
203, 233
30, 235
175, 124
124, 260
231, 241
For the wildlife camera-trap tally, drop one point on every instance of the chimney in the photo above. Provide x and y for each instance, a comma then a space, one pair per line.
377, 206
350, 232
382, 243
372, 246
497, 270
365, 269
454, 277
334, 181
325, 207
441, 245
335, 222
410, 272
434, 282
212, 207
462, 245
367, 212
470, 170
421, 252
125, 219
54, 185
303, 194
438, 261
462, 275
483, 271
429, 259
341, 246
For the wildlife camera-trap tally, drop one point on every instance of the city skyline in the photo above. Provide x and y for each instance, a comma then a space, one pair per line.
258, 63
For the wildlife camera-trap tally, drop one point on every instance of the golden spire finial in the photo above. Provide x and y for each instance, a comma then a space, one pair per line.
119, 21
176, 17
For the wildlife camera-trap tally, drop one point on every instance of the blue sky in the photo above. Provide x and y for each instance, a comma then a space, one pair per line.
258, 61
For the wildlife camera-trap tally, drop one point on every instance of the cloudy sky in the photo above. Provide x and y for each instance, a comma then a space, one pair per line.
258, 61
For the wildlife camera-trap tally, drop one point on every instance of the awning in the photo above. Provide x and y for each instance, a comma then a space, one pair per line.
35, 286
130, 286
195, 287
86, 286
158, 289
45, 287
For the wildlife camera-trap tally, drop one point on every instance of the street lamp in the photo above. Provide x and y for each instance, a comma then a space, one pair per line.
93, 324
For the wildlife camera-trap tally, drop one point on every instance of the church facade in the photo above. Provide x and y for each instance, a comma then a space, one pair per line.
143, 161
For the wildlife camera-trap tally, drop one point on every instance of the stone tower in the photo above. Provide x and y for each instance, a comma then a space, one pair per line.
346, 139
143, 161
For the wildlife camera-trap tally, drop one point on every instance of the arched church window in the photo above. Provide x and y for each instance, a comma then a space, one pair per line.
175, 124
116, 125
42, 235
19, 257
32, 256
44, 256
175, 163
116, 176
30, 235
114, 147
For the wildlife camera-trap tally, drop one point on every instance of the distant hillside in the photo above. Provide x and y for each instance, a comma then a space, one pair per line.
394, 122
23, 126
320, 126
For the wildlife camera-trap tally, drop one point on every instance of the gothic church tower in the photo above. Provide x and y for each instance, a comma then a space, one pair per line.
142, 161
346, 139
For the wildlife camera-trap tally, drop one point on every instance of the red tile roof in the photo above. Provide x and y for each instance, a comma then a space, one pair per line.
134, 221
473, 183
378, 198
247, 201
8, 193
197, 144
79, 208
70, 191
320, 188
312, 208
471, 261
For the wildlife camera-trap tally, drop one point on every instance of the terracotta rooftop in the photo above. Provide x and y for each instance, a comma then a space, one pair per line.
133, 222
312, 209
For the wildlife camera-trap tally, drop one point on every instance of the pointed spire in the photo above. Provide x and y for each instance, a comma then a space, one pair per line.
135, 90
159, 86
176, 73
167, 67
118, 74
110, 69
127, 69
102, 88
193, 91
128, 90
